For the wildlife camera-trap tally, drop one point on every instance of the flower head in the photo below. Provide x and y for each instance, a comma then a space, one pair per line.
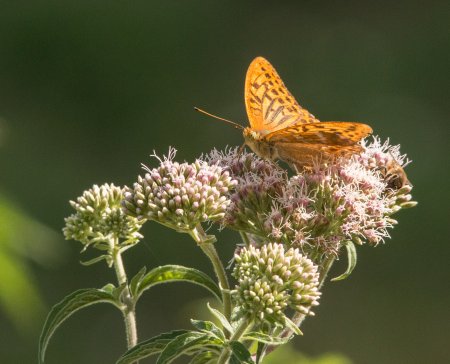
272, 279
388, 160
320, 208
99, 217
180, 195
259, 181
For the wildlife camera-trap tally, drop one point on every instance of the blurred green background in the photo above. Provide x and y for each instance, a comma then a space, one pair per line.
88, 89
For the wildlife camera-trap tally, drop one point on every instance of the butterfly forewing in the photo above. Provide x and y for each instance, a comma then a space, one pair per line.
270, 106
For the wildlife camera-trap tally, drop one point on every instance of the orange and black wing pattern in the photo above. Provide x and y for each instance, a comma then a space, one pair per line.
270, 106
327, 133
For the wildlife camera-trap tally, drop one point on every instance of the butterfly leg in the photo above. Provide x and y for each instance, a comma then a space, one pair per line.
294, 168
241, 150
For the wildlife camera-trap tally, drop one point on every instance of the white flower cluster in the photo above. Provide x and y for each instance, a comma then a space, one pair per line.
320, 208
180, 195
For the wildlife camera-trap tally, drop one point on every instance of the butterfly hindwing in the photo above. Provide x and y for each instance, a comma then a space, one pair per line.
270, 106
327, 132
301, 155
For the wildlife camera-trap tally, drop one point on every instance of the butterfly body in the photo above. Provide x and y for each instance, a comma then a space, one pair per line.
257, 143
281, 129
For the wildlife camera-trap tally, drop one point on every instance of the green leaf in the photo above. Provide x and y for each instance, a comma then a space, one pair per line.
109, 288
241, 353
234, 360
175, 273
94, 260
265, 339
260, 351
149, 347
24, 243
186, 344
226, 325
208, 327
69, 305
205, 357
351, 257
291, 325
117, 292
136, 280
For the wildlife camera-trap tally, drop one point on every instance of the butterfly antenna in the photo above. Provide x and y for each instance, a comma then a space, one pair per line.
235, 125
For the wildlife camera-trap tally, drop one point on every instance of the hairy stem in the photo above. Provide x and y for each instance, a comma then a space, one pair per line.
245, 239
324, 268
206, 243
128, 310
240, 330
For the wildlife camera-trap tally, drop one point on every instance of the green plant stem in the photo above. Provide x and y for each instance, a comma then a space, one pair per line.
324, 268
240, 330
245, 238
128, 309
206, 243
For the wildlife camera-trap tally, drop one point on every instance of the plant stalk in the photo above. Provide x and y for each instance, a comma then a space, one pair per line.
128, 310
206, 243
245, 239
240, 330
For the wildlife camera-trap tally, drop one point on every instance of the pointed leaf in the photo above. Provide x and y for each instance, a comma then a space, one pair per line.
241, 353
135, 281
265, 339
234, 360
94, 260
209, 327
186, 344
292, 326
351, 257
260, 351
205, 357
149, 347
109, 288
226, 325
175, 273
69, 305
119, 291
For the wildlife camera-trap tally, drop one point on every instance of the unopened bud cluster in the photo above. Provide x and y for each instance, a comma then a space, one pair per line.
180, 195
271, 280
99, 217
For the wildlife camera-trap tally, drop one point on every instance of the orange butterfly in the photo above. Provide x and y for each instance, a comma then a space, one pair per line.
281, 129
